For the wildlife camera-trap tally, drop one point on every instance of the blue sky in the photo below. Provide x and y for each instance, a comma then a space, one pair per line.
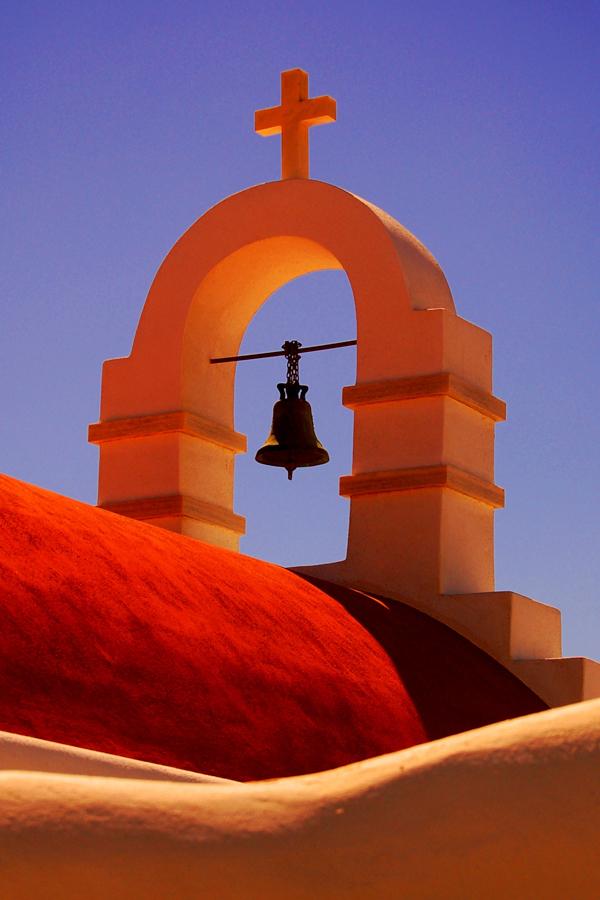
474, 124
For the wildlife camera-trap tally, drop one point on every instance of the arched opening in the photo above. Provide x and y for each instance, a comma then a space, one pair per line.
304, 521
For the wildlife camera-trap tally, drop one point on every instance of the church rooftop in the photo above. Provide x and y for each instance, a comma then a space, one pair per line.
122, 637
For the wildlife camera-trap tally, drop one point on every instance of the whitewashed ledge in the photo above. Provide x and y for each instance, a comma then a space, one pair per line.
26, 754
510, 810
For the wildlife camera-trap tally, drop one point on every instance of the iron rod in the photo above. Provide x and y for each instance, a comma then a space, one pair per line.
228, 359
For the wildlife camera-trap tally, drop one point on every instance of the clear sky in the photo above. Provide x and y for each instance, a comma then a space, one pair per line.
474, 124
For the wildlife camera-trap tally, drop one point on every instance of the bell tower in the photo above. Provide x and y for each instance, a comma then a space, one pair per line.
422, 492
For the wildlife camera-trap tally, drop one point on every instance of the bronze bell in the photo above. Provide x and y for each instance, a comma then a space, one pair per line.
292, 442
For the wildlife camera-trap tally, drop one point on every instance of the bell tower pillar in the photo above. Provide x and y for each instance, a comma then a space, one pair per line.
422, 492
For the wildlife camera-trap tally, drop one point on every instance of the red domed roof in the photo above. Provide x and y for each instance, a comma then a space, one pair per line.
122, 637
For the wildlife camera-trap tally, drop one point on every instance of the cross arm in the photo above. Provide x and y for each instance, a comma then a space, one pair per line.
268, 121
318, 111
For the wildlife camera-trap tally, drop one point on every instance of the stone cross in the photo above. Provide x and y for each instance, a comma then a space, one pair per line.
295, 115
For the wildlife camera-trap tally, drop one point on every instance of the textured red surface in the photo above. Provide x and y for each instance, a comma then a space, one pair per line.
122, 637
